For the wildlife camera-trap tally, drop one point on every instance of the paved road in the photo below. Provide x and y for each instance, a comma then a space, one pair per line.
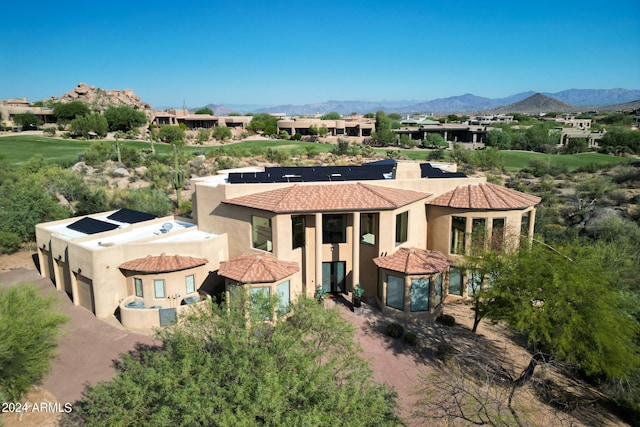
87, 347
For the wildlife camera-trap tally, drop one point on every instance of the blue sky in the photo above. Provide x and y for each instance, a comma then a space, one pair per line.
276, 52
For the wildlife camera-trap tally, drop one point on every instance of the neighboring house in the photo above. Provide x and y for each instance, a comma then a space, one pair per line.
198, 121
360, 127
13, 107
396, 228
451, 132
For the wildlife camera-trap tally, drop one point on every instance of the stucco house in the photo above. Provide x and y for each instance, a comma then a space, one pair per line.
399, 229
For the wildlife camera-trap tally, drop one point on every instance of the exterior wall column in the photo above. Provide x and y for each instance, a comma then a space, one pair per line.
532, 223
355, 263
74, 289
56, 276
318, 251
43, 272
468, 228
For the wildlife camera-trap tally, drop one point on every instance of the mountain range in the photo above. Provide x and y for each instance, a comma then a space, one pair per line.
574, 100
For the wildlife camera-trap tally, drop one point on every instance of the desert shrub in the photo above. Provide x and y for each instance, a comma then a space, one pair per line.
444, 351
50, 131
411, 338
594, 187
395, 330
9, 242
186, 208
436, 155
296, 136
446, 319
539, 167
627, 174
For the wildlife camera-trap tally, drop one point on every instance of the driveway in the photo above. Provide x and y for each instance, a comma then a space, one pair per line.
87, 347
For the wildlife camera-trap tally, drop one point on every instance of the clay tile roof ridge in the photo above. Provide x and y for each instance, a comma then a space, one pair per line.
485, 188
286, 192
377, 193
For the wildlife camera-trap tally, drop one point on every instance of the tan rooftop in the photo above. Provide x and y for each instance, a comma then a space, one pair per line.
257, 268
485, 196
414, 261
163, 263
329, 197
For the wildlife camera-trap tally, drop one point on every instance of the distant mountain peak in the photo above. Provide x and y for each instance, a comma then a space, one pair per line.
539, 103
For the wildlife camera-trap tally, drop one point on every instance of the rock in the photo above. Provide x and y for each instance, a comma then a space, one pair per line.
121, 172
140, 171
82, 167
103, 99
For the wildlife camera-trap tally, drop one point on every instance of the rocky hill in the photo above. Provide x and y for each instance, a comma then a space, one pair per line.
539, 103
100, 99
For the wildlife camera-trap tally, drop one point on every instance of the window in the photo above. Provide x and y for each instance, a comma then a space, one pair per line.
420, 294
458, 226
261, 233
334, 228
455, 281
475, 282
158, 286
260, 302
368, 228
191, 283
437, 300
138, 285
402, 222
395, 292
283, 297
478, 233
497, 234
297, 231
524, 227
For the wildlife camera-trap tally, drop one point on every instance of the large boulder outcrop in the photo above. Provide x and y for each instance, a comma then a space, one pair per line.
101, 99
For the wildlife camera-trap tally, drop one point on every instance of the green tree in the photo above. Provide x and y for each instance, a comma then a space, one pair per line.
171, 134
29, 329
91, 123
65, 112
220, 367
435, 140
331, 116
562, 300
27, 202
124, 118
221, 133
490, 158
576, 145
395, 116
265, 123
155, 202
27, 121
499, 139
204, 110
621, 140
203, 135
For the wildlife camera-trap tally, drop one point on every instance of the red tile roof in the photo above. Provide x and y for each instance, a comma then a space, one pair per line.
329, 197
257, 268
485, 196
163, 263
414, 261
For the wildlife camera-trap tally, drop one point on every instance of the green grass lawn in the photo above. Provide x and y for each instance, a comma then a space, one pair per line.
516, 160
17, 149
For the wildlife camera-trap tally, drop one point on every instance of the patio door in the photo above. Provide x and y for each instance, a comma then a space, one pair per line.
333, 274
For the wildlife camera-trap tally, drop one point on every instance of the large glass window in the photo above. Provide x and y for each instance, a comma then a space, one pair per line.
497, 234
420, 294
158, 286
458, 226
474, 283
138, 285
437, 299
334, 228
368, 228
297, 231
261, 302
478, 233
395, 292
190, 282
455, 281
261, 233
402, 224
284, 298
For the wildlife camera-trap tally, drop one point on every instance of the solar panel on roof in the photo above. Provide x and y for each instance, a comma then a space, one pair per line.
92, 226
428, 171
130, 216
315, 174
